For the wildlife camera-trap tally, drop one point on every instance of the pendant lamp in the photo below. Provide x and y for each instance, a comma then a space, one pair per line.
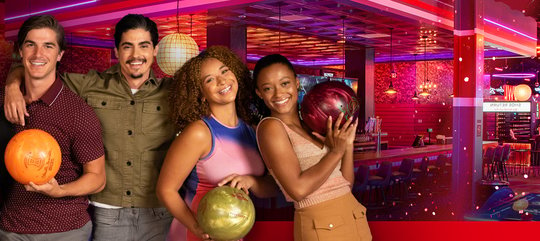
393, 75
176, 49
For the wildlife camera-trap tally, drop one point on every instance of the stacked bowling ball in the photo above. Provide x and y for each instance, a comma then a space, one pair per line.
326, 99
32, 156
226, 213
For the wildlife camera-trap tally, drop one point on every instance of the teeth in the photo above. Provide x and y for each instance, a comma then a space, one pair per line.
225, 90
135, 63
282, 101
38, 63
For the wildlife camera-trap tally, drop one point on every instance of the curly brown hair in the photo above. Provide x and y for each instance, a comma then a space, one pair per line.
185, 95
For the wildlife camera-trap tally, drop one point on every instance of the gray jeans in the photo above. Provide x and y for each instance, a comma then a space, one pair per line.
131, 224
81, 234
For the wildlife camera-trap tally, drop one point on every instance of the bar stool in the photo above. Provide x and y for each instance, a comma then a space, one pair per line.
505, 157
361, 182
380, 181
535, 155
402, 178
487, 161
519, 160
420, 174
497, 168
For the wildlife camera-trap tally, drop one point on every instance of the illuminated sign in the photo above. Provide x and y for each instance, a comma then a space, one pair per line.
328, 74
507, 106
496, 91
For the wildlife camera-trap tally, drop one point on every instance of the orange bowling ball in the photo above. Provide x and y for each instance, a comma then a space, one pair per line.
33, 156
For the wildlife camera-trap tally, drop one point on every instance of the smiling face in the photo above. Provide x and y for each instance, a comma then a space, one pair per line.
136, 54
40, 53
219, 84
277, 86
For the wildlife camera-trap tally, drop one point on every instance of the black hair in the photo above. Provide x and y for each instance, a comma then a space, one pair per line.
135, 21
270, 60
263, 63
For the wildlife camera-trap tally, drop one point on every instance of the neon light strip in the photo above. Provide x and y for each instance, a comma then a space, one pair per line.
514, 75
511, 29
502, 42
49, 10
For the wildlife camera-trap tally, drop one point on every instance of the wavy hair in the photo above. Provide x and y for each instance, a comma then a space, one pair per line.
185, 96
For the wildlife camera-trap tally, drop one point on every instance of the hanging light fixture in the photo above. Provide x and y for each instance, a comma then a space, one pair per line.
391, 89
176, 49
415, 96
393, 75
424, 91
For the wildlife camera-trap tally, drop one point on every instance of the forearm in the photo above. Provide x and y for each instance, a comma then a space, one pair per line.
347, 165
178, 208
312, 178
88, 183
15, 76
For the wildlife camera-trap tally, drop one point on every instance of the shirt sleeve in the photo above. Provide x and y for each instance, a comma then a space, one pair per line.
87, 143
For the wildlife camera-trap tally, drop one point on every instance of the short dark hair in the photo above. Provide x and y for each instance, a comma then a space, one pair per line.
135, 21
38, 22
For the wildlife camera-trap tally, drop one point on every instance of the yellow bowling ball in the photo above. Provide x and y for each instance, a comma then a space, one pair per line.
226, 213
520, 204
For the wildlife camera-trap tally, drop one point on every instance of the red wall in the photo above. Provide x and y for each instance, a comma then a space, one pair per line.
403, 121
6, 49
403, 117
78, 59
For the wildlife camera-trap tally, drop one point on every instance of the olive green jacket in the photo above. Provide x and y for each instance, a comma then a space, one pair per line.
137, 132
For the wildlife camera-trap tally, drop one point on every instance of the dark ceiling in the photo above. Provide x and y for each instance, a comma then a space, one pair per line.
310, 31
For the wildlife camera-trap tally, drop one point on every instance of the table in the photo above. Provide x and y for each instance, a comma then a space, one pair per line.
504, 211
369, 145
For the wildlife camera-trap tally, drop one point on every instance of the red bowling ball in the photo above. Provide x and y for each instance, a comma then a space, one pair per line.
326, 99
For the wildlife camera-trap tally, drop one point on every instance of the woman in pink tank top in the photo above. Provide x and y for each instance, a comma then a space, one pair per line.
314, 172
211, 86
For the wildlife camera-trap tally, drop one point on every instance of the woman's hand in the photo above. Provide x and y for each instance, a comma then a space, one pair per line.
337, 139
202, 235
239, 182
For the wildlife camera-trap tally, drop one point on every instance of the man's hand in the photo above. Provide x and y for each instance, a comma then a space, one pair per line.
14, 102
51, 188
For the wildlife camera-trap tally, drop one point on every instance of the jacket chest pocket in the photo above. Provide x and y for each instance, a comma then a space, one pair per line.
108, 112
155, 118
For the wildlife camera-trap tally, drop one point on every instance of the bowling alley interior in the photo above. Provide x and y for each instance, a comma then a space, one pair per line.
447, 91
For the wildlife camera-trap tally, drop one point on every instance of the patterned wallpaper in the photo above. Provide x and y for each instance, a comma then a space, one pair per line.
78, 59
6, 49
439, 73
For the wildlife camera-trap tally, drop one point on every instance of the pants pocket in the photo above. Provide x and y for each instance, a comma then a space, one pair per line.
106, 216
362, 227
162, 213
331, 228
